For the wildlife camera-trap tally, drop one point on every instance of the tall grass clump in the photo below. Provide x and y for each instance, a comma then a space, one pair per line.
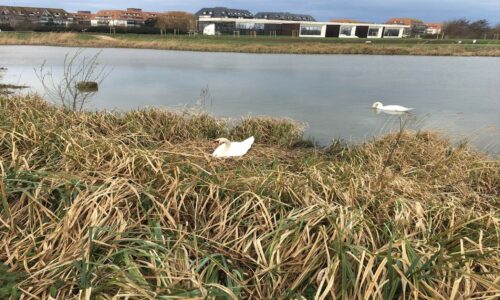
98, 205
281, 132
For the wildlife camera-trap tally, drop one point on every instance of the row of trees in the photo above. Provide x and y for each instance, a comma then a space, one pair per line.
463, 28
179, 21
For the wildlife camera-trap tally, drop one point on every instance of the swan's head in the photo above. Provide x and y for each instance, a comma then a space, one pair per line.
222, 141
377, 105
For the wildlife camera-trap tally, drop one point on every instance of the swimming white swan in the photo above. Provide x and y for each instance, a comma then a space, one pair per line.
232, 149
390, 108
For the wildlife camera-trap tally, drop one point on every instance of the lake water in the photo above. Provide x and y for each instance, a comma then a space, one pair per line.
333, 94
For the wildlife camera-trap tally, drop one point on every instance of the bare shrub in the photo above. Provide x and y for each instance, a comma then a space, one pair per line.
77, 68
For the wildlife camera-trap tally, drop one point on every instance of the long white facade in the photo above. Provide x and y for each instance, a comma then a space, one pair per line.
307, 29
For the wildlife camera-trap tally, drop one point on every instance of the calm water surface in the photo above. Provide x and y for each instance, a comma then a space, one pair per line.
331, 93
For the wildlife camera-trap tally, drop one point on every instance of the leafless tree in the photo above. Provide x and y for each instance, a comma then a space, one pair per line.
178, 21
77, 69
463, 28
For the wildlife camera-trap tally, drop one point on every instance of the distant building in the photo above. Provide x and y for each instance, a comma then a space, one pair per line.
230, 26
283, 16
81, 18
17, 16
222, 20
433, 28
347, 21
132, 17
224, 12
417, 27
405, 21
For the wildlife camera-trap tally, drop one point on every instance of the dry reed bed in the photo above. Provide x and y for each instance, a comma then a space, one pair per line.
131, 206
73, 40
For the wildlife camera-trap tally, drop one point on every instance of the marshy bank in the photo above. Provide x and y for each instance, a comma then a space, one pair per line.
102, 205
8, 88
281, 45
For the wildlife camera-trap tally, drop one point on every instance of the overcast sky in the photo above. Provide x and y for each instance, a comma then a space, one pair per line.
323, 10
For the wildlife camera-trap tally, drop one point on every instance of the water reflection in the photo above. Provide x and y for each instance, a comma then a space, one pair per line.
379, 111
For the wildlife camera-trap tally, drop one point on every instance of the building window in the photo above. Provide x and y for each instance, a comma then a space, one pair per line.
346, 30
391, 32
246, 26
311, 30
249, 26
373, 31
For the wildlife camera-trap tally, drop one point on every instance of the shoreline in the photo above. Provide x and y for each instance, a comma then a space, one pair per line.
253, 46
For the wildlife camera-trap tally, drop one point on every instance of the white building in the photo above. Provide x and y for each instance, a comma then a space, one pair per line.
433, 28
301, 28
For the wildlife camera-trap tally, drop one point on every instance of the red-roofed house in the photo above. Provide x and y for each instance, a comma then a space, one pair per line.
405, 21
36, 16
132, 17
347, 21
417, 26
433, 28
81, 18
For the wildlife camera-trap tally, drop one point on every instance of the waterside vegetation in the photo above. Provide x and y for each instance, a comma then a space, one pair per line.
105, 205
434, 47
7, 88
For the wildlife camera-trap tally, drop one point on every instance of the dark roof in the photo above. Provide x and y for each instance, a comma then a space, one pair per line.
283, 16
32, 10
224, 12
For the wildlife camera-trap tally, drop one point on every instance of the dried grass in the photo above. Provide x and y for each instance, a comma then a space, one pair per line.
247, 46
131, 206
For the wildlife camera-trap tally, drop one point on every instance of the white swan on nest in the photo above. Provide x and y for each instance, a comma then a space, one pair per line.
391, 108
232, 149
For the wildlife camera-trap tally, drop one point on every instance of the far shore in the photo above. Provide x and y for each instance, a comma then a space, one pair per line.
267, 45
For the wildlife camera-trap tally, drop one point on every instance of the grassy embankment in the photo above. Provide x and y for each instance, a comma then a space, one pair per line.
98, 205
258, 45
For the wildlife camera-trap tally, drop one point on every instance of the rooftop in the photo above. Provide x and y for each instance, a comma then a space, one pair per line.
346, 21
21, 10
434, 25
405, 21
128, 14
283, 16
224, 12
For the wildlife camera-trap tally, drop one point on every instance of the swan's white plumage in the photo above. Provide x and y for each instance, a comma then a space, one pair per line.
233, 149
391, 108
